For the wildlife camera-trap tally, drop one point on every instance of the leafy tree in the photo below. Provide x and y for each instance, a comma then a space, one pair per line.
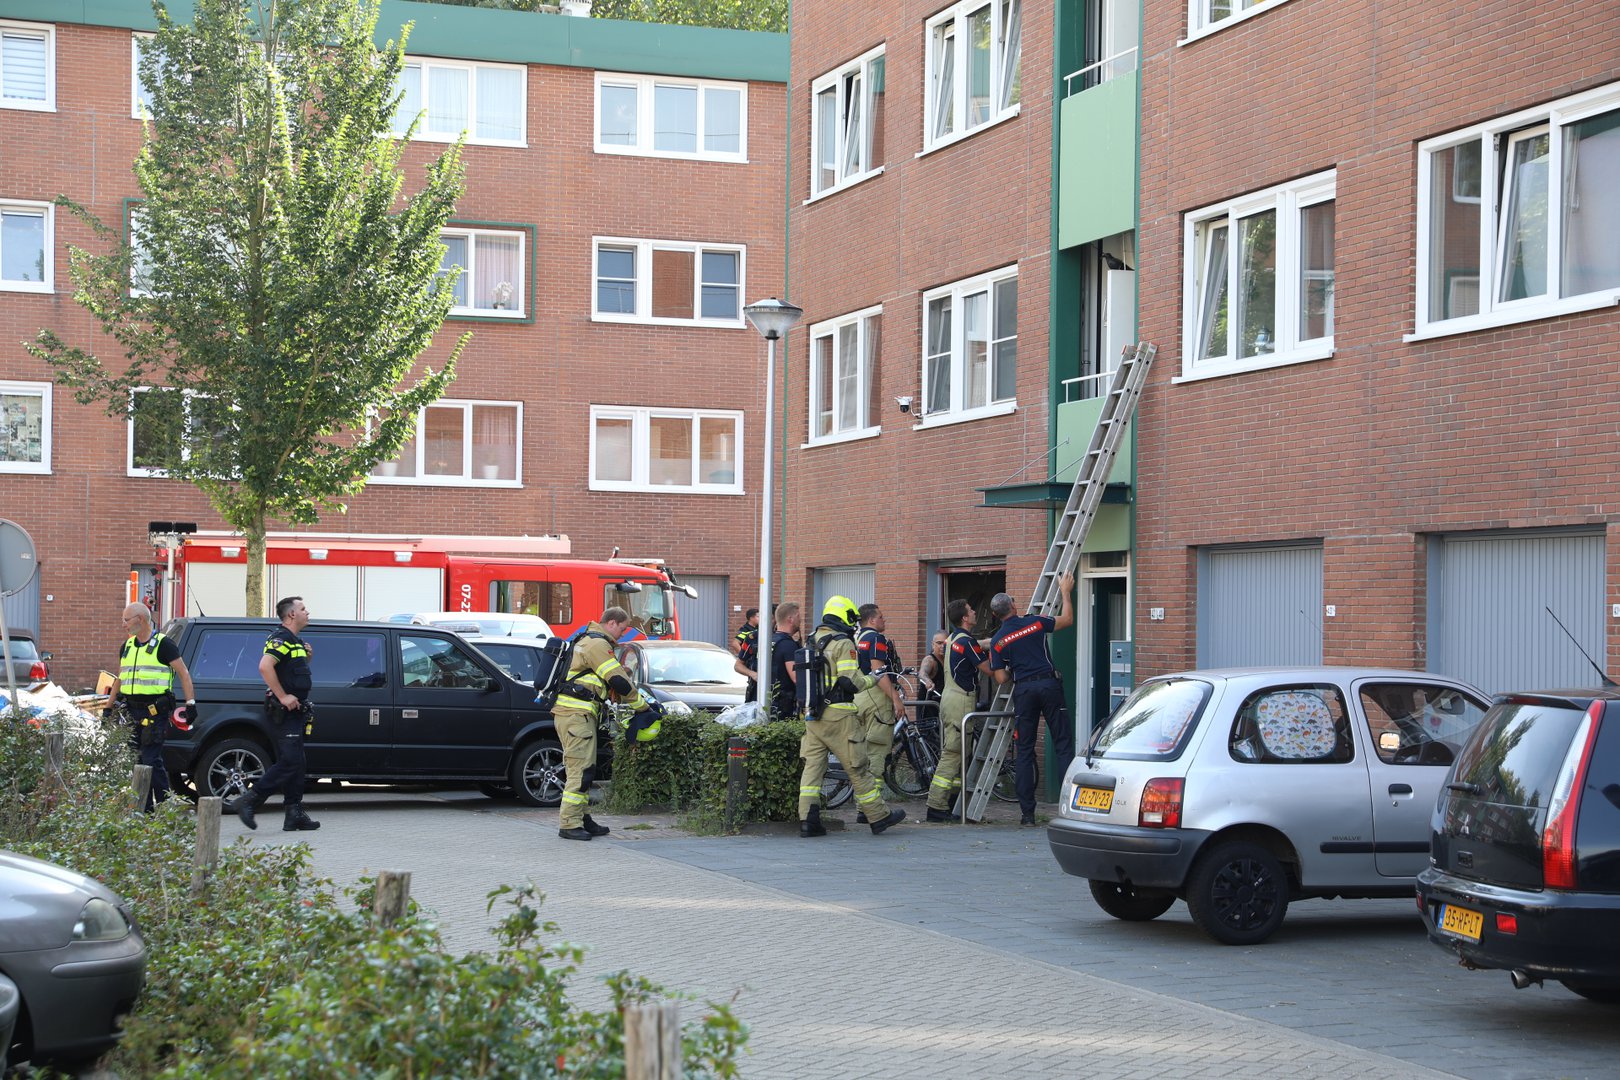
769, 15
283, 287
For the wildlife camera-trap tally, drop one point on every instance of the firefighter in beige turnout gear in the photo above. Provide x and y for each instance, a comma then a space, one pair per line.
594, 677
838, 729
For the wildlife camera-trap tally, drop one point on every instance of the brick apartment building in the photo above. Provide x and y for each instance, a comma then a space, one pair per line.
1380, 253
623, 203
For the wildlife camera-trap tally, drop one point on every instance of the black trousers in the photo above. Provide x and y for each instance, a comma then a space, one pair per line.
150, 719
1031, 701
287, 774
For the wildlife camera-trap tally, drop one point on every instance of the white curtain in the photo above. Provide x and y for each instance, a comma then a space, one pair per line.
499, 277
500, 104
410, 100
447, 93
1592, 206
494, 442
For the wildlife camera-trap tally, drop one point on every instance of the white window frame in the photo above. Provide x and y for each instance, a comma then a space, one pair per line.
640, 418
838, 80
1494, 140
466, 478
644, 284
1287, 200
130, 468
1200, 24
520, 287
49, 211
48, 32
645, 87
958, 291
958, 15
832, 328
427, 63
43, 390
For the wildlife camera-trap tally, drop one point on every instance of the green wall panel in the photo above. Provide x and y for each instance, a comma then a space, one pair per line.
1097, 162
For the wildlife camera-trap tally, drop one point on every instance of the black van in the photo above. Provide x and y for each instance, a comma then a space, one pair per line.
393, 703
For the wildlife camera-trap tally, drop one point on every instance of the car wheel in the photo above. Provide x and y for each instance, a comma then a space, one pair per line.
1605, 995
229, 767
1129, 903
1238, 893
537, 773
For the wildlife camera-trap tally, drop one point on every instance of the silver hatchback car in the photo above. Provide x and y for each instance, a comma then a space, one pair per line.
1241, 790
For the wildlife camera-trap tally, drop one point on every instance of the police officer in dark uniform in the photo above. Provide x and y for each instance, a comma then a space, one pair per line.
1021, 652
285, 670
784, 644
745, 643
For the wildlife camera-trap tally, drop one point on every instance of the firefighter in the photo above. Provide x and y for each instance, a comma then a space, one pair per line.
147, 668
594, 677
880, 706
965, 660
835, 726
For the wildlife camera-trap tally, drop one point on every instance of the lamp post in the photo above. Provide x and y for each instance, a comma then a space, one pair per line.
772, 318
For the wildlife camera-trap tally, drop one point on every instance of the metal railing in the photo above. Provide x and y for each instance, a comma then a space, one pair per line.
1100, 72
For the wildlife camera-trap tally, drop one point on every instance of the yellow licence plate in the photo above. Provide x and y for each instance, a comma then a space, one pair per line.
1091, 798
1461, 921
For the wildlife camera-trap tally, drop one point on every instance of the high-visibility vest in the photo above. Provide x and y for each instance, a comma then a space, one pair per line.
139, 671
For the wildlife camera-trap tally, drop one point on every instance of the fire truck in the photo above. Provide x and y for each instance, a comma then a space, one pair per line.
376, 576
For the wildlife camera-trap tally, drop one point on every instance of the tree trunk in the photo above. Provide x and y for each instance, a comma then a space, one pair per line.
256, 601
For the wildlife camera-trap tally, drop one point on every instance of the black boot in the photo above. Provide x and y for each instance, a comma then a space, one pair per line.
944, 816
246, 803
895, 817
594, 829
812, 826
860, 818
578, 832
298, 821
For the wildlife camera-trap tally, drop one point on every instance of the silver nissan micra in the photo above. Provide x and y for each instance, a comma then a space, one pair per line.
1241, 790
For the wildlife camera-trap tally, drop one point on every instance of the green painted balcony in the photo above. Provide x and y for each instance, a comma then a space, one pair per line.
1097, 162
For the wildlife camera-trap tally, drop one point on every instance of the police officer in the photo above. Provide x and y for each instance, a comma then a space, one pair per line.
594, 676
837, 727
147, 667
1021, 652
880, 705
285, 670
745, 644
784, 643
965, 658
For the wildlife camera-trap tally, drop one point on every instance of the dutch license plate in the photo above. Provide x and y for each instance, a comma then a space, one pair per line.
1461, 921
1091, 798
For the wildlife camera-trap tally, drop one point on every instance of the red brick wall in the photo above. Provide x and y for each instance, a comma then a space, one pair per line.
1386, 441
908, 497
89, 519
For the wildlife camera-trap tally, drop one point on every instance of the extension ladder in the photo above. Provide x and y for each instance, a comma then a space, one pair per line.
984, 763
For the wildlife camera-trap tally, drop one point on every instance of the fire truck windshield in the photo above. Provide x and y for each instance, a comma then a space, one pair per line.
649, 608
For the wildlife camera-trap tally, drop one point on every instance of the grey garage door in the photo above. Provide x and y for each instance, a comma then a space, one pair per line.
708, 618
1260, 605
1492, 598
858, 583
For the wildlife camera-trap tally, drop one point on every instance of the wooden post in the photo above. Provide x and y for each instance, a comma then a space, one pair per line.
56, 754
143, 786
736, 780
207, 842
392, 892
652, 1041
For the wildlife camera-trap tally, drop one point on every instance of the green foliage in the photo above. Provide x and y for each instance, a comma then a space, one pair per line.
667, 772
286, 288
686, 769
271, 973
769, 15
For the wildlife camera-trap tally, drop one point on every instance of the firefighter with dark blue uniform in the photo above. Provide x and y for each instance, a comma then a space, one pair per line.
964, 660
745, 644
147, 668
836, 727
595, 677
285, 670
1021, 653
882, 704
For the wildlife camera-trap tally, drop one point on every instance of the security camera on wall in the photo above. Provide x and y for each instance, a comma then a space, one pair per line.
904, 403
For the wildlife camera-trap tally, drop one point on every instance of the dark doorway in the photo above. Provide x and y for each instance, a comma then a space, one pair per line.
976, 585
1108, 624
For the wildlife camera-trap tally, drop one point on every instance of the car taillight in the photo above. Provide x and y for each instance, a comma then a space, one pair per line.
1161, 803
1558, 838
38, 673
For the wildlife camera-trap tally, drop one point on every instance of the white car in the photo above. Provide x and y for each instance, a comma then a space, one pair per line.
485, 623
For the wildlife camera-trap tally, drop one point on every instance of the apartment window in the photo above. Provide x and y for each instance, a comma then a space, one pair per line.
1208, 16
492, 279
160, 419
25, 427
692, 450
847, 115
487, 101
27, 66
663, 117
973, 68
1259, 282
667, 282
25, 246
1519, 218
140, 94
845, 394
970, 347
460, 443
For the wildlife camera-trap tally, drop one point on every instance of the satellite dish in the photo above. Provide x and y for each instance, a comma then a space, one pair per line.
17, 561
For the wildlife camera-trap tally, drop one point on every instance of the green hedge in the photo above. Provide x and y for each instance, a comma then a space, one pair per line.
685, 769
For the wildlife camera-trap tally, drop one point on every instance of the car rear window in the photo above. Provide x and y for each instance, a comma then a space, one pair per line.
1154, 723
23, 649
1515, 755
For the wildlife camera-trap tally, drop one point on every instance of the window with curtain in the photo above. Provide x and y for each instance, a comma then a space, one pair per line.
25, 427
667, 282
847, 116
660, 116
970, 347
486, 101
492, 280
27, 66
845, 368
1519, 218
973, 71
461, 443
25, 246
665, 450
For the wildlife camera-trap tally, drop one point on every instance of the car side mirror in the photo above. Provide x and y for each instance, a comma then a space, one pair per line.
491, 684
45, 656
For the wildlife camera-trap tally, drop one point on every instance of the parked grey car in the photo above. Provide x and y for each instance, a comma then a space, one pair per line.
702, 675
71, 949
1240, 791
28, 664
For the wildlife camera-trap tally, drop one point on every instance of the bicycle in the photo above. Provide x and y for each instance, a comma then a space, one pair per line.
912, 760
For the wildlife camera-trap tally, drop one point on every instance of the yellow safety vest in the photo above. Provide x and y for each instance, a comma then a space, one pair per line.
140, 674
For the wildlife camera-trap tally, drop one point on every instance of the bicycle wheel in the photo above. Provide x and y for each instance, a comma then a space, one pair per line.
1006, 788
836, 791
911, 767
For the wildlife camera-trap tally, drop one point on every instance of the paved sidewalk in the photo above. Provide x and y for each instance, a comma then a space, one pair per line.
826, 990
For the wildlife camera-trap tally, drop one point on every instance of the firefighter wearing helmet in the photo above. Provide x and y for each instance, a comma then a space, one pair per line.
833, 724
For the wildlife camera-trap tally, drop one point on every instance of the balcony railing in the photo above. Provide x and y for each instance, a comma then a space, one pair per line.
1110, 67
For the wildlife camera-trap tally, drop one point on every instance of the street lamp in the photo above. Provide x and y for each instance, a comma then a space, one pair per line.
772, 318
